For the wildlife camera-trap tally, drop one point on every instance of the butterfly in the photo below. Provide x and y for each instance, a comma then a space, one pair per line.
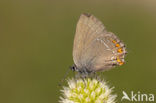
95, 49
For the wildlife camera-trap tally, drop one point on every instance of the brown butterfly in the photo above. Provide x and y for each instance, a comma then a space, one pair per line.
95, 49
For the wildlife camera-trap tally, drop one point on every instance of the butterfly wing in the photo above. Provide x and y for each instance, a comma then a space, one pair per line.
94, 47
108, 52
87, 27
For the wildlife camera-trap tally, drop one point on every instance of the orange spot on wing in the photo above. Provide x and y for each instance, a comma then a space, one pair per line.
117, 45
121, 63
120, 50
118, 60
114, 41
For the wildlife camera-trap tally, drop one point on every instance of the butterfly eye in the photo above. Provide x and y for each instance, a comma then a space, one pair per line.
73, 68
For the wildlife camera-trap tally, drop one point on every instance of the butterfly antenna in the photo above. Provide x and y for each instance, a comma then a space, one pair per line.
66, 74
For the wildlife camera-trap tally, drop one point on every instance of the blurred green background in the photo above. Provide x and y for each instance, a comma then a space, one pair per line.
36, 38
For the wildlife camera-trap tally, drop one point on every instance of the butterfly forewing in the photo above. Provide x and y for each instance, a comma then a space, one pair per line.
86, 29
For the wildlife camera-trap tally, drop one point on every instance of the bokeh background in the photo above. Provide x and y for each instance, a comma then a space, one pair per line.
36, 38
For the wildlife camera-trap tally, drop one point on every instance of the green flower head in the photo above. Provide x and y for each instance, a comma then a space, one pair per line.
87, 90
